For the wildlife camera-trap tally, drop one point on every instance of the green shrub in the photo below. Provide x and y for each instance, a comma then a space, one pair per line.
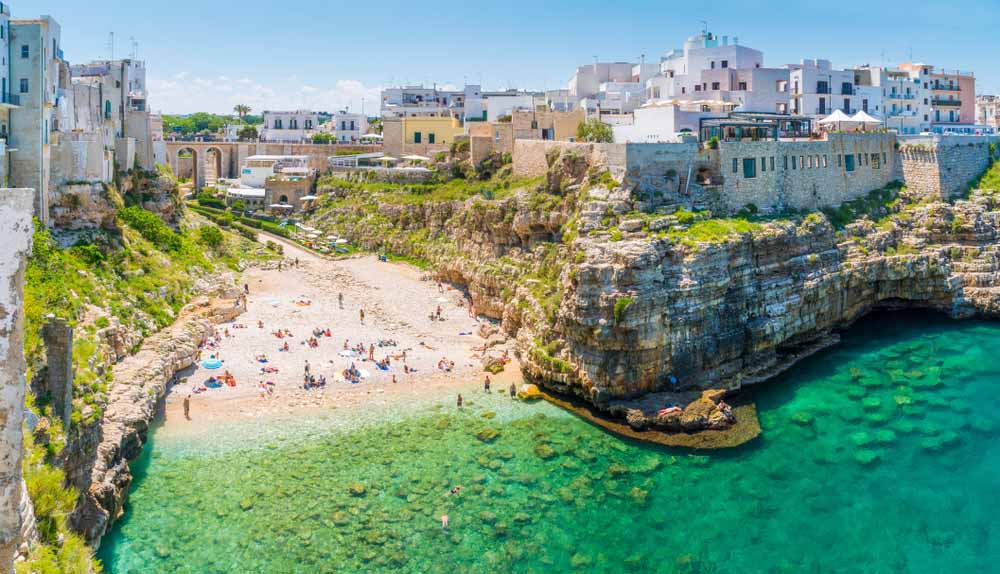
621, 305
150, 227
208, 200
210, 235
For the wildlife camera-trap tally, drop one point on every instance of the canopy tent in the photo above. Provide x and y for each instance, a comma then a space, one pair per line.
864, 118
371, 137
308, 198
387, 159
838, 119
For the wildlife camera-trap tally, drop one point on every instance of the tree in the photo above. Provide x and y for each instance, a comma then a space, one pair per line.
594, 131
322, 138
247, 133
241, 110
239, 205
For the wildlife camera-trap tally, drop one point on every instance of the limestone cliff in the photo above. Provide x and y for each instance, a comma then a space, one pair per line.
611, 304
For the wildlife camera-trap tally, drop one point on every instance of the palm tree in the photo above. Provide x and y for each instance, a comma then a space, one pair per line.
241, 110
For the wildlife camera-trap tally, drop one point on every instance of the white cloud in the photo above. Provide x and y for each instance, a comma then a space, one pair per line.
181, 94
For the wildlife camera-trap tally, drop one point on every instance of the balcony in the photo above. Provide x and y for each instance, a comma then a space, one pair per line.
943, 103
10, 99
895, 96
946, 87
822, 89
902, 113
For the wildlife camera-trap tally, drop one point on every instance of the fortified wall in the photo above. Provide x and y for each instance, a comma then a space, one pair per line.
942, 166
16, 207
774, 175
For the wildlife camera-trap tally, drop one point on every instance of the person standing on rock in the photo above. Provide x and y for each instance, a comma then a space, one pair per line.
459, 401
307, 368
486, 384
361, 313
187, 407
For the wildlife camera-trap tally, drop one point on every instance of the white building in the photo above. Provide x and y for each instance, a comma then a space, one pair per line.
988, 110
257, 168
288, 127
818, 89
662, 123
347, 127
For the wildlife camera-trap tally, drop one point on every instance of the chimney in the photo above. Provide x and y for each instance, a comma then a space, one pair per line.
725, 40
736, 40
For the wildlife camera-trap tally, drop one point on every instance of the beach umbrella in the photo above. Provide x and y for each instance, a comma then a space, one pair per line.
416, 158
341, 241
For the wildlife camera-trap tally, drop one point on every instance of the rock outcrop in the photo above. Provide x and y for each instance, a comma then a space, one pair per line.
15, 228
612, 304
97, 464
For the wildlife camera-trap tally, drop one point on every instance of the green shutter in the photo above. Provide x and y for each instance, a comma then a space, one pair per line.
416, 137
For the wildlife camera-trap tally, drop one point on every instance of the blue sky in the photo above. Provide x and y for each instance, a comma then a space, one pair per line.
207, 55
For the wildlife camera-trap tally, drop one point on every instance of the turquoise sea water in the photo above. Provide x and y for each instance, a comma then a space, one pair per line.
878, 455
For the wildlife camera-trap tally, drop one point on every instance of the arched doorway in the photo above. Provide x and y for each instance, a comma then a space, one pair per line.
213, 166
186, 166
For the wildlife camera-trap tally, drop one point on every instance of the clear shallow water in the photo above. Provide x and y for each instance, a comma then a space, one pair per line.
878, 455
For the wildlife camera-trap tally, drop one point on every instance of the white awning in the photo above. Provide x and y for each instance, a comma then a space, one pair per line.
837, 117
416, 158
307, 198
864, 118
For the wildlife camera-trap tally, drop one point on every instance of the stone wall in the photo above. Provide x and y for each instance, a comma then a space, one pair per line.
531, 157
57, 384
807, 174
943, 166
16, 207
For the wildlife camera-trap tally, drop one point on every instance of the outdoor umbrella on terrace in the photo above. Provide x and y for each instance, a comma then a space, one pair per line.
837, 118
416, 158
866, 120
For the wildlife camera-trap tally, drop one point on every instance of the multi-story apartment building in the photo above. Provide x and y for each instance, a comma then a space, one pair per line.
988, 111
35, 71
710, 68
347, 127
608, 88
418, 101
288, 127
817, 89
119, 88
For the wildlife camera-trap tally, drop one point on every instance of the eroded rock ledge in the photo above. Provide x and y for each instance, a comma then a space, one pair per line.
611, 300
98, 462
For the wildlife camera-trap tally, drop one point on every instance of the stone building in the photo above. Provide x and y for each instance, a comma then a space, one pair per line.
35, 65
541, 123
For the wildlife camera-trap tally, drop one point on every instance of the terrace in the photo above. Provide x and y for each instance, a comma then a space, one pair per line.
754, 126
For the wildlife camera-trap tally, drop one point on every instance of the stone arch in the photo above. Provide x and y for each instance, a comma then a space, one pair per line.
183, 167
283, 199
214, 164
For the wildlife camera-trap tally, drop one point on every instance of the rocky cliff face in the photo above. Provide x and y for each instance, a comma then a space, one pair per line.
97, 462
611, 304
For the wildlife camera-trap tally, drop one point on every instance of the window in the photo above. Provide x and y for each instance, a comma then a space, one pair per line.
839, 160
277, 124
742, 86
715, 85
763, 164
802, 161
736, 165
794, 164
772, 163
864, 105
849, 162
786, 162
293, 124
712, 64
24, 85
725, 63
749, 168
309, 124
25, 51
810, 162
430, 137
825, 164
883, 158
416, 137
697, 88
875, 161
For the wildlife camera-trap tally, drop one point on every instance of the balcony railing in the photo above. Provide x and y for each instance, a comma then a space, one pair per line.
946, 87
946, 103
822, 90
10, 99
895, 96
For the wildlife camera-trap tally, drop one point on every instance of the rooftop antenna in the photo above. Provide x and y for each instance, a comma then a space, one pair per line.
135, 48
704, 27
111, 44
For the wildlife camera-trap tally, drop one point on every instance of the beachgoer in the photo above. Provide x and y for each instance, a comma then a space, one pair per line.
486, 384
394, 378
371, 352
187, 407
246, 288
340, 299
459, 401
513, 391
307, 368
296, 262
444, 522
361, 313
456, 490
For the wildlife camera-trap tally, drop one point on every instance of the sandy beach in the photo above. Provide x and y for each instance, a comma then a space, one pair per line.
397, 304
